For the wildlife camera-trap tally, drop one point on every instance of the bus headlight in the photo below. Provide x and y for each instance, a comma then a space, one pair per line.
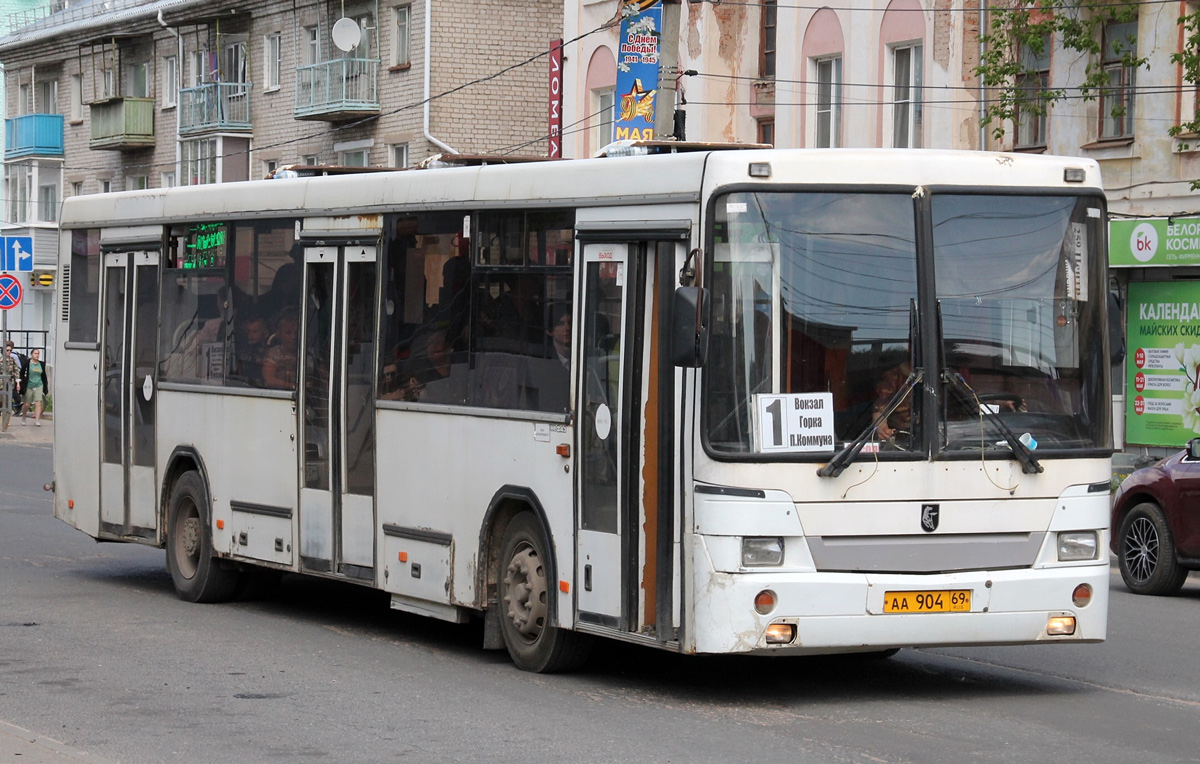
761, 552
1076, 546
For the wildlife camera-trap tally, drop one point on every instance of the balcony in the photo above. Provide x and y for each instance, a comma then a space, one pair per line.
215, 107
122, 123
33, 135
337, 90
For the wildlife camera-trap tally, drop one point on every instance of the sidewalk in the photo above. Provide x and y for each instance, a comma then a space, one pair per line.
21, 745
29, 432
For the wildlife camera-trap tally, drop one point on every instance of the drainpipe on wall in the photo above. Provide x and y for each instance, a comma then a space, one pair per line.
428, 66
178, 75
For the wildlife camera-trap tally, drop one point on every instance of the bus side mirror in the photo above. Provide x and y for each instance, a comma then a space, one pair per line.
691, 313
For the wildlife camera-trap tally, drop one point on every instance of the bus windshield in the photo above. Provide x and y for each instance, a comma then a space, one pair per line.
816, 296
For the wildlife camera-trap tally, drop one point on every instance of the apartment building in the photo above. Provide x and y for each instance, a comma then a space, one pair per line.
110, 95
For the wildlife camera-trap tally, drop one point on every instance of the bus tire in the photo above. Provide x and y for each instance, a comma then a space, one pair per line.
195, 572
524, 594
1146, 553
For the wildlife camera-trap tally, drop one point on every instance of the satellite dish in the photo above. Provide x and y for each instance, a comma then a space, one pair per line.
346, 34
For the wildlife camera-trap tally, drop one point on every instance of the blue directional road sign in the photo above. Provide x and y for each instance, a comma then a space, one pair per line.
10, 292
17, 253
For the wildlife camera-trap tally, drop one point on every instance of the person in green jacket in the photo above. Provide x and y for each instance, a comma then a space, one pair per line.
35, 381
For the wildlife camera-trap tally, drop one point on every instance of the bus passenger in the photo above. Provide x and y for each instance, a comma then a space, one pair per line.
279, 364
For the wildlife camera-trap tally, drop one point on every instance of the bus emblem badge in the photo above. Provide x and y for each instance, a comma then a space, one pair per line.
929, 517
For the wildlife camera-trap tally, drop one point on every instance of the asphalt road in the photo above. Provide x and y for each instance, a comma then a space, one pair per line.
96, 652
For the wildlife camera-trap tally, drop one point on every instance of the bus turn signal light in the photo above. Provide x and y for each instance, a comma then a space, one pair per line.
764, 601
1082, 595
1061, 625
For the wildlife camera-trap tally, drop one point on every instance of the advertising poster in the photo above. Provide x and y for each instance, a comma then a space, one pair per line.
637, 69
1149, 242
1162, 403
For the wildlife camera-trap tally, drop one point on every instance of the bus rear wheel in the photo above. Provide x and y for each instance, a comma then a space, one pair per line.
534, 644
195, 572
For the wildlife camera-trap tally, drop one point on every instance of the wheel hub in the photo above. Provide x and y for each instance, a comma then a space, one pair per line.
1141, 549
525, 593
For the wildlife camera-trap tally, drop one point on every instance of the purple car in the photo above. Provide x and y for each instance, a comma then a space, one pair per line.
1156, 523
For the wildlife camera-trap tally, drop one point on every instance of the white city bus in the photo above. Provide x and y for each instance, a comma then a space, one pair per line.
756, 401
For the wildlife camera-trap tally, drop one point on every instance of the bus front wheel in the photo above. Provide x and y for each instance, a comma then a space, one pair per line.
525, 591
195, 572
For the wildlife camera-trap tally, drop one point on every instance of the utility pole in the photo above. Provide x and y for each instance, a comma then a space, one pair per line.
668, 71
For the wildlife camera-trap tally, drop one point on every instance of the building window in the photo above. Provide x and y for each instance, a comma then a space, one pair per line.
48, 203
198, 160
200, 71
170, 83
273, 56
24, 99
766, 59
356, 158
269, 167
20, 178
77, 188
766, 131
907, 81
48, 97
137, 182
137, 79
1032, 83
76, 97
829, 102
1117, 99
310, 160
401, 49
105, 186
310, 50
168, 179
398, 154
236, 67
603, 102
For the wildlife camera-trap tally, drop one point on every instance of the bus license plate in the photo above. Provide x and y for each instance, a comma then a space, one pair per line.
947, 601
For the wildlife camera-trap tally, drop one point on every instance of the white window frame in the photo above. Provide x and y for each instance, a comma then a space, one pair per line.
398, 155
47, 94
906, 94
402, 39
77, 188
168, 179
603, 117
47, 204
272, 60
269, 166
18, 178
198, 161
828, 102
170, 83
105, 186
310, 47
76, 98
355, 158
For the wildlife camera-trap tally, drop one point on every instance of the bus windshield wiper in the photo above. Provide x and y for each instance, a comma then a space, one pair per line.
844, 457
1029, 462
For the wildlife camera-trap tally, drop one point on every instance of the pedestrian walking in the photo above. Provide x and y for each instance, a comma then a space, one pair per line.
35, 381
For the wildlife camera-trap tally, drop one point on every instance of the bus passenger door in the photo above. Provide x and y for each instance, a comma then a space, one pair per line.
604, 444
337, 412
128, 487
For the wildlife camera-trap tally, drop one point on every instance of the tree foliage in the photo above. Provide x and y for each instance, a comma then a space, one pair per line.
1018, 32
